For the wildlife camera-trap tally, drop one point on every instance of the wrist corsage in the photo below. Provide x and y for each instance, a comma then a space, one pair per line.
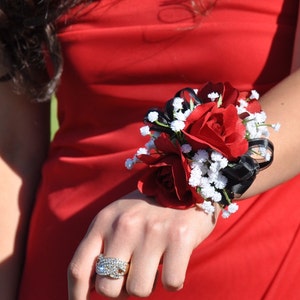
205, 147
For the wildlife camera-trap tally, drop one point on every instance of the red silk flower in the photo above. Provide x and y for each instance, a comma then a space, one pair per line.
217, 128
229, 95
167, 176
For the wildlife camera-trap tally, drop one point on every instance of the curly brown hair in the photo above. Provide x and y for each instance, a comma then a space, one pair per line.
27, 36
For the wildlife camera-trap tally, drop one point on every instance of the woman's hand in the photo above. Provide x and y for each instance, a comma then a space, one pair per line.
136, 229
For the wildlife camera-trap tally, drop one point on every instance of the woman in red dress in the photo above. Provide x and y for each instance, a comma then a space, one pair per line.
121, 58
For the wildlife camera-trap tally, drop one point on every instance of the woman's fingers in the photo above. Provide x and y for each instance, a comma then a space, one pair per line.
175, 263
116, 262
144, 266
82, 267
187, 230
122, 235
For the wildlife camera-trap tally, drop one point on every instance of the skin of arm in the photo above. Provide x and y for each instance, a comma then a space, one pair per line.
24, 139
281, 105
134, 227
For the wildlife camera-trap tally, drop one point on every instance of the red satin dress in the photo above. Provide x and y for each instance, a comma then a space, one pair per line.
121, 58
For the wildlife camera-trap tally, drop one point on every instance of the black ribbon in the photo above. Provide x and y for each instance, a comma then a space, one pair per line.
242, 173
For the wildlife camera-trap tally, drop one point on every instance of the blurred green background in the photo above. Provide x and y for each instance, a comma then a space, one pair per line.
53, 120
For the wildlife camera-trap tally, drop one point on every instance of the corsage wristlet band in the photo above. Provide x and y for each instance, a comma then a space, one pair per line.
205, 147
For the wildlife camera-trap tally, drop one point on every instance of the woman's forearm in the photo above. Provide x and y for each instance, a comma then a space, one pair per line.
12, 231
24, 138
281, 104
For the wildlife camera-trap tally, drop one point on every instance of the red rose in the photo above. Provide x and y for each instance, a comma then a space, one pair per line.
167, 176
217, 128
229, 94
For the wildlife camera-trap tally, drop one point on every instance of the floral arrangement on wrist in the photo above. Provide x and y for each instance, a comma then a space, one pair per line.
206, 147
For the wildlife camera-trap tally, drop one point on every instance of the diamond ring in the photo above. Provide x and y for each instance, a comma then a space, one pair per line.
111, 267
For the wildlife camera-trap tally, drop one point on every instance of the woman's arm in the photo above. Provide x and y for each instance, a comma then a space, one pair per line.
282, 104
24, 138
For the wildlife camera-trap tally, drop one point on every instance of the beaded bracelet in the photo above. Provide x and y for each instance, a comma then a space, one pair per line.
206, 146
